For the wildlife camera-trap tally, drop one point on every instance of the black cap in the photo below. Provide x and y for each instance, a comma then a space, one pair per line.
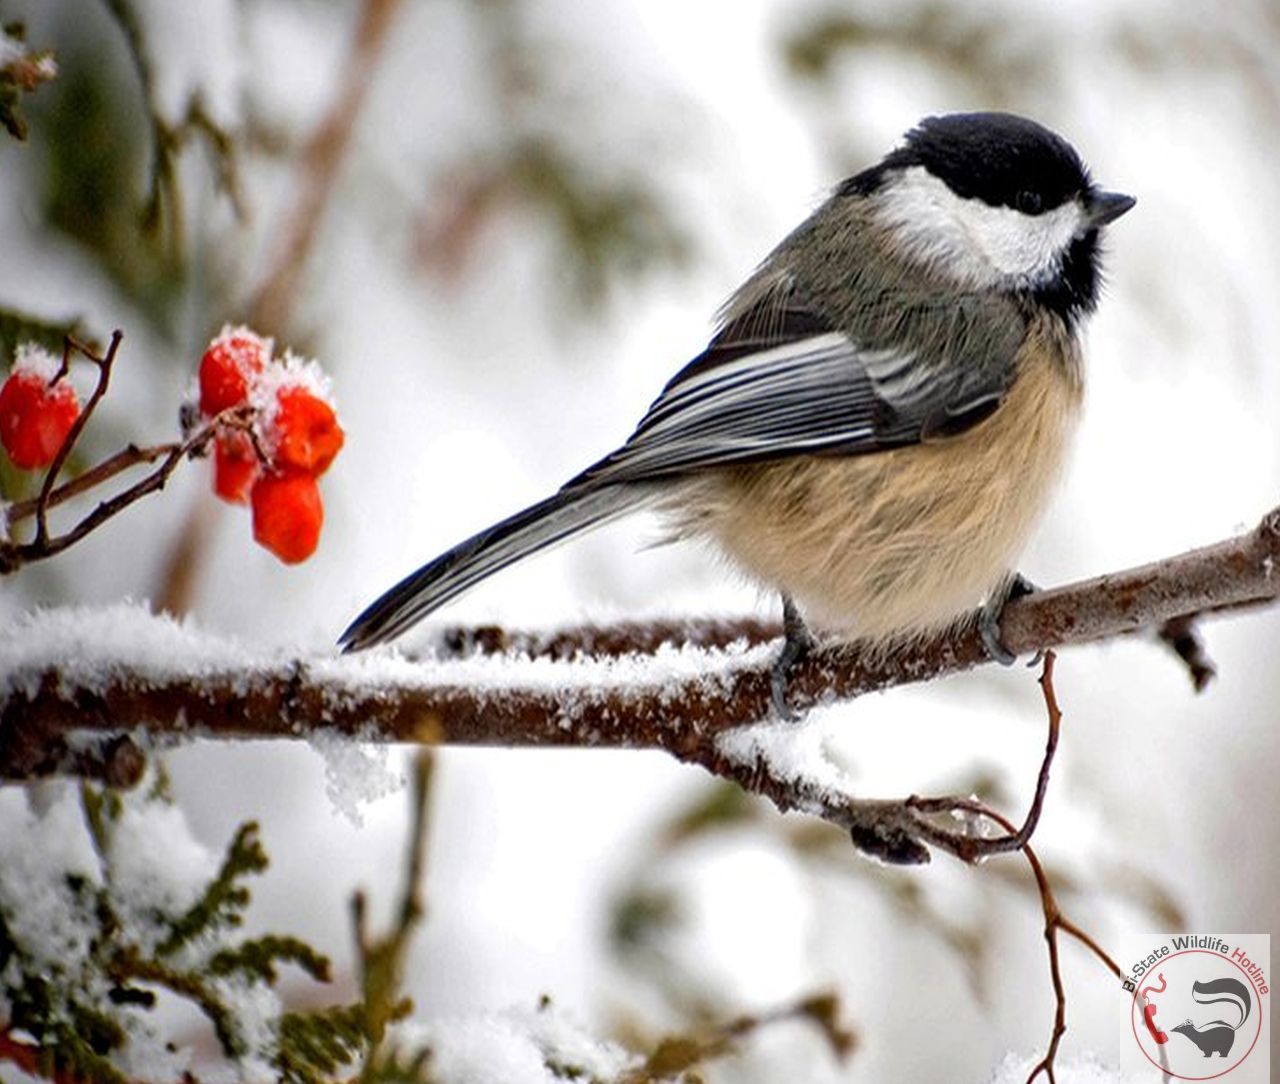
1002, 159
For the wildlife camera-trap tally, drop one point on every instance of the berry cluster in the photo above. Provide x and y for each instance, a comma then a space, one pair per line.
269, 421
276, 434
38, 407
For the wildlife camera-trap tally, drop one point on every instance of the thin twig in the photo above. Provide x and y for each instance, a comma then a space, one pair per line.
1054, 920
13, 557
677, 1057
104, 364
123, 460
113, 506
382, 959
902, 831
1069, 927
970, 848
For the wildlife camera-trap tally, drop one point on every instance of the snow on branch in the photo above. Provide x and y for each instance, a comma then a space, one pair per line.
76, 685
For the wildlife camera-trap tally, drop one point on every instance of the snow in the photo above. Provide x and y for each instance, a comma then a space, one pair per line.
293, 371
156, 863
356, 773
194, 53
36, 360
489, 673
154, 1061
156, 867
1077, 1069
11, 49
793, 751
281, 373
257, 1008
518, 1046
42, 840
90, 647
93, 646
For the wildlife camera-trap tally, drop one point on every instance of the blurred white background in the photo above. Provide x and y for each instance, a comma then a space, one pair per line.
542, 206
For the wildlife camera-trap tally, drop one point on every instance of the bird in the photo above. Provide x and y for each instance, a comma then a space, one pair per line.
881, 414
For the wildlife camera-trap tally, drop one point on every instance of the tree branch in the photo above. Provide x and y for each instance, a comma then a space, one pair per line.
681, 700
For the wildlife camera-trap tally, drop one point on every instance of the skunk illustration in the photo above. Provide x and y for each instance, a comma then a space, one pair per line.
1217, 1036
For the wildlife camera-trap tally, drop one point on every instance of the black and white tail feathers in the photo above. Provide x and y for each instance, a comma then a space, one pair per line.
564, 515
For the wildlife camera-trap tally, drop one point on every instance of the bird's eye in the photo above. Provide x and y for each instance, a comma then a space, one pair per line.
1028, 202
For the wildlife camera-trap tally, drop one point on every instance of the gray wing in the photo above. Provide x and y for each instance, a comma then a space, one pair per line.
779, 380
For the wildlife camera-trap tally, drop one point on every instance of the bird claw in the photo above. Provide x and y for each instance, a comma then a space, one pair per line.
989, 619
797, 644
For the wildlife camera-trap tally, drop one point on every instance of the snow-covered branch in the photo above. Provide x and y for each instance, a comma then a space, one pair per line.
69, 677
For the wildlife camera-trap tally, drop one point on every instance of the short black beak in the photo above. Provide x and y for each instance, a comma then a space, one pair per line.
1104, 207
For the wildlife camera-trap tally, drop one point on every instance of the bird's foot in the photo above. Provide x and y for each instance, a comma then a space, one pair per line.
989, 620
797, 644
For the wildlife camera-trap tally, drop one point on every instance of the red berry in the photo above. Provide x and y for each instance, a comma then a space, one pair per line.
235, 466
308, 435
287, 515
35, 418
227, 368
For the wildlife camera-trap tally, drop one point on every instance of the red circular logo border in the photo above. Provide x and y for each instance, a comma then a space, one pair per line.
1134, 1014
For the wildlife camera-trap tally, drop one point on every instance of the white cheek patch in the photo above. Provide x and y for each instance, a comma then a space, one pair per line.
976, 244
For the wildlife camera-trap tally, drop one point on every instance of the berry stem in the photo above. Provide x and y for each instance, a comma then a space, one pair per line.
133, 456
104, 364
171, 454
103, 472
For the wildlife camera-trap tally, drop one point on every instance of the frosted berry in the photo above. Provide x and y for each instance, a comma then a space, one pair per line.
235, 467
307, 433
287, 514
227, 369
35, 417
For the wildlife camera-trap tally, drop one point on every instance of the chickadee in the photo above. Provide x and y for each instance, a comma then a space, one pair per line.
878, 421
